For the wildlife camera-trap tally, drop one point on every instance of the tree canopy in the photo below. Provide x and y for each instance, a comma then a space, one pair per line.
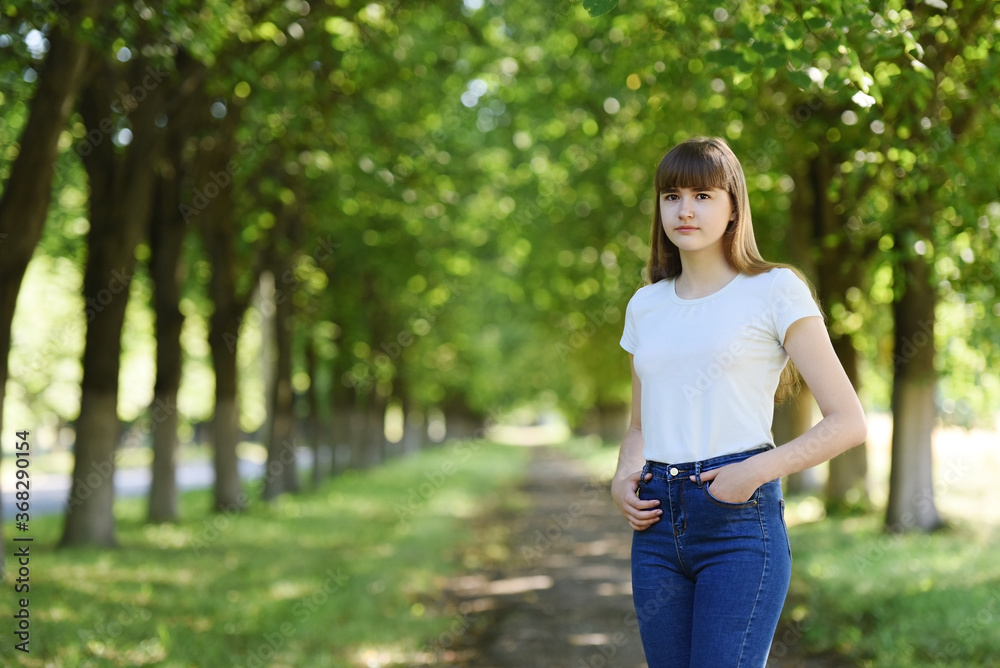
451, 202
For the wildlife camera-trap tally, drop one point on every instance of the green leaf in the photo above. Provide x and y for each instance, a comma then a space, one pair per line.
599, 7
876, 92
742, 33
800, 79
795, 30
775, 60
887, 51
799, 58
818, 23
727, 58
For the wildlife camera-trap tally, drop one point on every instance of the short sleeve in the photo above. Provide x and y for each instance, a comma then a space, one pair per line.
629, 339
790, 300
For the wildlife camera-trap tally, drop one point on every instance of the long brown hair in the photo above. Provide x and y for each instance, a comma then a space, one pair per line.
708, 162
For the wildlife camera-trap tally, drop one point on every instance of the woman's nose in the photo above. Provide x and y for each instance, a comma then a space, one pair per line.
686, 210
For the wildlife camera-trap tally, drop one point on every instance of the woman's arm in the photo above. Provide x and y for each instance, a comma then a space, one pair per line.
640, 514
843, 425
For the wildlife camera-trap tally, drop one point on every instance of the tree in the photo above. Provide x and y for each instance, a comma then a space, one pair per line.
280, 260
26, 192
218, 227
453, 203
167, 232
121, 195
947, 50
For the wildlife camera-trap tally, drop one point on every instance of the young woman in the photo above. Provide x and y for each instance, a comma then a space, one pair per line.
698, 478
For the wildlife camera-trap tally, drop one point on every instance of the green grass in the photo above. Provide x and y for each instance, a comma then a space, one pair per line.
896, 601
878, 600
349, 575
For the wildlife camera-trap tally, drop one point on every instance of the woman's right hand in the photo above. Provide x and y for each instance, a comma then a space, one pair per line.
640, 514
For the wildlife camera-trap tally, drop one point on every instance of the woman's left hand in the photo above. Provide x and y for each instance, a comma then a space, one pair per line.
733, 483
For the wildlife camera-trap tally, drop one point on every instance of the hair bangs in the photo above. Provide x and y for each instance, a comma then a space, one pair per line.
697, 165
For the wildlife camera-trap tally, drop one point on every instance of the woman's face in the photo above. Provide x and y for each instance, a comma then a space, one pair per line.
695, 218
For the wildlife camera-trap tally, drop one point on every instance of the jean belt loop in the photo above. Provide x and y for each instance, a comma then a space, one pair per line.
697, 474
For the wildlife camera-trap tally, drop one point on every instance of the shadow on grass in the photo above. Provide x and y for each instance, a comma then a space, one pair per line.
328, 578
881, 599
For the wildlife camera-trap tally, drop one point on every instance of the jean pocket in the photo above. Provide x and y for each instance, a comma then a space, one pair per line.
642, 480
749, 503
784, 525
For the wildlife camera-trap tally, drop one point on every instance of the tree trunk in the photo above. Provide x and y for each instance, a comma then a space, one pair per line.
167, 233
90, 507
340, 431
847, 483
223, 338
375, 445
282, 473
413, 423
911, 482
462, 422
216, 222
262, 307
166, 237
121, 190
792, 419
315, 420
342, 437
838, 270
414, 434
357, 431
609, 422
612, 422
24, 204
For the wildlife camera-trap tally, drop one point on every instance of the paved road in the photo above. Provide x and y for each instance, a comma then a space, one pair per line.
49, 492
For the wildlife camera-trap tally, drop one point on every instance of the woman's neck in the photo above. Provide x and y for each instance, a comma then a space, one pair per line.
701, 276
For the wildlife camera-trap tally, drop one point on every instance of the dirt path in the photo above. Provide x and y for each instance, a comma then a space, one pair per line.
564, 599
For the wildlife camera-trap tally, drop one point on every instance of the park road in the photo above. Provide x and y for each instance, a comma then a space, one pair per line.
564, 600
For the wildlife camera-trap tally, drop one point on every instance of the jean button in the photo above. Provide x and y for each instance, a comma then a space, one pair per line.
673, 470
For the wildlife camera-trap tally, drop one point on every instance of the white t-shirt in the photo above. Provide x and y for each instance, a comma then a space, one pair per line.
709, 367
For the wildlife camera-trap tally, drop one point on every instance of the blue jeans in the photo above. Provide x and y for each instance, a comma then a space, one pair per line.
710, 578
